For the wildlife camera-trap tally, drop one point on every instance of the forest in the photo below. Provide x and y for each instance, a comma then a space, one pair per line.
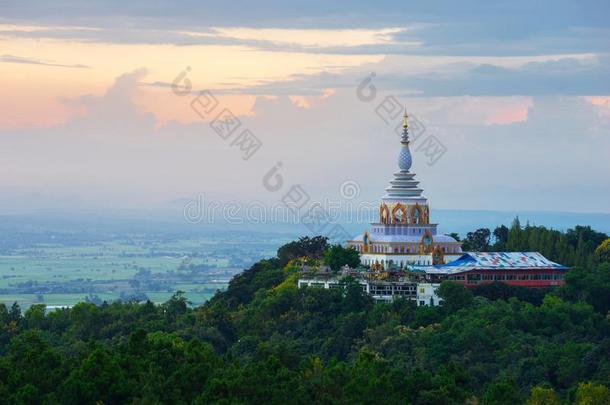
263, 340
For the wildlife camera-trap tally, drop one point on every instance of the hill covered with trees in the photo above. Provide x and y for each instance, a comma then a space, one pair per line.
263, 340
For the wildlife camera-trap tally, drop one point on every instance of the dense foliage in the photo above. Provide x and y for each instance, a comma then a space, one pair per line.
337, 256
264, 340
576, 247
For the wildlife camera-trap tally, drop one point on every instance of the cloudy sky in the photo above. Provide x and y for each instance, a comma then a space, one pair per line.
516, 96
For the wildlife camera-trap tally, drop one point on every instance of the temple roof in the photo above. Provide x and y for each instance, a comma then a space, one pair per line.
403, 186
496, 261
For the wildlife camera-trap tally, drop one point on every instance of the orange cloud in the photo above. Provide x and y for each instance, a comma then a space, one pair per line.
32, 93
309, 101
509, 113
598, 100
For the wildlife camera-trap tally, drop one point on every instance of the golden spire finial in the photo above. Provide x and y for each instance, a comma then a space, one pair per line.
405, 119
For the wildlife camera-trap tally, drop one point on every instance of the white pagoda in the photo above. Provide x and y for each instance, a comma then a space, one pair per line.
403, 236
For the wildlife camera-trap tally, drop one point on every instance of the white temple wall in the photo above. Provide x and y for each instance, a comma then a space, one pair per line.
368, 259
419, 260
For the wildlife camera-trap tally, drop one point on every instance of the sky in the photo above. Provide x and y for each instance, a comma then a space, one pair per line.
103, 101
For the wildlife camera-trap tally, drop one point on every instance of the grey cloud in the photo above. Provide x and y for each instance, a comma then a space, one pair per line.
114, 112
33, 61
517, 18
422, 40
567, 76
520, 27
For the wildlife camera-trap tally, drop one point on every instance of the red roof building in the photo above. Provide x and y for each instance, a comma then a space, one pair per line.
526, 269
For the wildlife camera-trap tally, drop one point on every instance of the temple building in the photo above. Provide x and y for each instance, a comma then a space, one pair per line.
403, 255
524, 269
404, 236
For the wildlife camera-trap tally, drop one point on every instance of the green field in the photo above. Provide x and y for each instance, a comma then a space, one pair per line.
54, 267
112, 264
62, 300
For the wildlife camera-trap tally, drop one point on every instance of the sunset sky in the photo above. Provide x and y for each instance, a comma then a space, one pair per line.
518, 95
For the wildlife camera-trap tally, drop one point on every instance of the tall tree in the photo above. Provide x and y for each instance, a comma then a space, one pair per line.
477, 241
514, 242
500, 238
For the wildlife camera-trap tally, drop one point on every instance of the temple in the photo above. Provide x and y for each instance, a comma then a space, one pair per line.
404, 256
404, 236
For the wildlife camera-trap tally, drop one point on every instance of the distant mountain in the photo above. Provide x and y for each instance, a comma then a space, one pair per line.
172, 221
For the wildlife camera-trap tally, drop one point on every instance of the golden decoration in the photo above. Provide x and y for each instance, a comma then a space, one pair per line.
384, 214
438, 255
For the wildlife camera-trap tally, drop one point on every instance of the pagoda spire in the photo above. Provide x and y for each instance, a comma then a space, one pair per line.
403, 186
404, 139
404, 158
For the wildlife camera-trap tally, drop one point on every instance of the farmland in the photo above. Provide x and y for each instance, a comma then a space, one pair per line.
57, 272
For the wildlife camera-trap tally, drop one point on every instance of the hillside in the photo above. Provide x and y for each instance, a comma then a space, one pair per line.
265, 341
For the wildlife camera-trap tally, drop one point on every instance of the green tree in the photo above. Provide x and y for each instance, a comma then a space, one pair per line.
34, 317
98, 378
175, 306
592, 394
355, 298
477, 241
309, 247
588, 284
498, 290
14, 314
602, 252
336, 256
502, 393
33, 362
515, 241
589, 236
500, 238
4, 315
543, 396
455, 296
